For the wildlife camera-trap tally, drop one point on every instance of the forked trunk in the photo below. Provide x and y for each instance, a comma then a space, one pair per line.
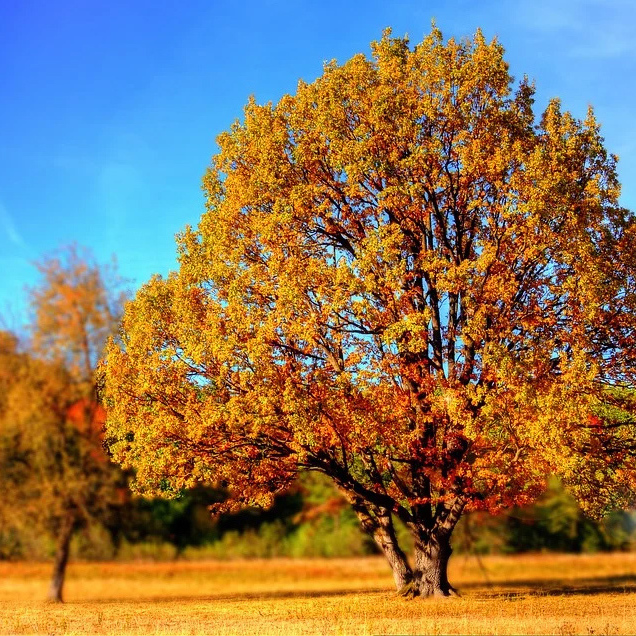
61, 560
429, 576
433, 550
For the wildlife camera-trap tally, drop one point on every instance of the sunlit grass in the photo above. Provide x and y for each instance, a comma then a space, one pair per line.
552, 594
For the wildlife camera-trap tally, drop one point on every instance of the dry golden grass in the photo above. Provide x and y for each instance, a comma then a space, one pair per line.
544, 594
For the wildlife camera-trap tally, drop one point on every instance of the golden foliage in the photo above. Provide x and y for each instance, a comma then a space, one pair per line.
403, 280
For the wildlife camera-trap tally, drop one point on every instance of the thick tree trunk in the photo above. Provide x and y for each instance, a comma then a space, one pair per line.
61, 560
430, 576
432, 552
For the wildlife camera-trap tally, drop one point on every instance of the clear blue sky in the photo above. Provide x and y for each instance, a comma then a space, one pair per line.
109, 109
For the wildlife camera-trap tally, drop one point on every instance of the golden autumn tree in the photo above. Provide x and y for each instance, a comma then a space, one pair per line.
405, 281
52, 462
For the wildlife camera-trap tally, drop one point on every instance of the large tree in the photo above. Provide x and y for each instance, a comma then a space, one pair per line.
53, 467
405, 281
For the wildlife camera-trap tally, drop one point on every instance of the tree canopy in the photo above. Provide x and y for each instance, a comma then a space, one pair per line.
404, 280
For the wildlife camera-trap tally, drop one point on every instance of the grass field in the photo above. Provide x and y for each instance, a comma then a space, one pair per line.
547, 594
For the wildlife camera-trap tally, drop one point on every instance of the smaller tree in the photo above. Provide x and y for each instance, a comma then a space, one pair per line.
51, 454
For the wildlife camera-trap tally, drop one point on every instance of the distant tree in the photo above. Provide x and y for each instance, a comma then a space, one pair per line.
52, 462
75, 308
404, 281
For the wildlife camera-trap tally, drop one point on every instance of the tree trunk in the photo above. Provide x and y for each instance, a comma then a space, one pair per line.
387, 541
61, 560
430, 576
379, 525
432, 535
432, 552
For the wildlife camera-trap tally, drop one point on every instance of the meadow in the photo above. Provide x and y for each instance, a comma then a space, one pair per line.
527, 594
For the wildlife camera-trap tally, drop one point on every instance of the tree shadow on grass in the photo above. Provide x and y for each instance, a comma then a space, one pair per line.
542, 587
515, 589
239, 596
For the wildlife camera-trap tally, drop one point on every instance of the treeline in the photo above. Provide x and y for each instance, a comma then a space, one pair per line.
312, 520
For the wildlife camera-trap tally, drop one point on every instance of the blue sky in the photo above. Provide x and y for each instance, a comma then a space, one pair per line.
109, 110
